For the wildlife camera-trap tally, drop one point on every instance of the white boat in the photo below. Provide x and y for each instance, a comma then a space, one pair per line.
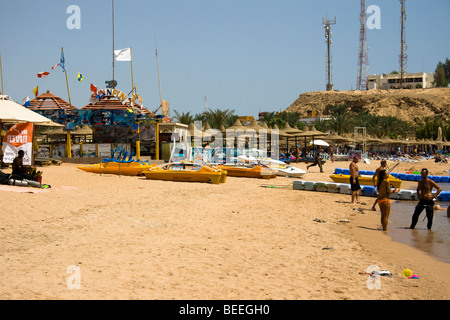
290, 171
282, 168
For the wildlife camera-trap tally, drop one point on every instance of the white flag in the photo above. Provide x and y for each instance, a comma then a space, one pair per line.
123, 54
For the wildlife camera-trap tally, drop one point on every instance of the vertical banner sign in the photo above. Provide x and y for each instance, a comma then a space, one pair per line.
19, 137
165, 110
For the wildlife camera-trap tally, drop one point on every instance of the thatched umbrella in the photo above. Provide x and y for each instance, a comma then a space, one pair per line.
313, 133
237, 126
335, 138
193, 129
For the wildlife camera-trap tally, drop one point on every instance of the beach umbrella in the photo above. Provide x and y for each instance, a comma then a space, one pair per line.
335, 138
289, 130
374, 140
12, 112
319, 143
411, 141
192, 130
222, 128
237, 126
313, 132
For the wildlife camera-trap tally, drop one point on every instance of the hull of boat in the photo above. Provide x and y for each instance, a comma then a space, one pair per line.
290, 172
365, 180
201, 175
249, 172
126, 169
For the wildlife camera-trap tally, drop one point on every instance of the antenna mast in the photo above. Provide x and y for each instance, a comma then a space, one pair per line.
327, 26
363, 57
403, 46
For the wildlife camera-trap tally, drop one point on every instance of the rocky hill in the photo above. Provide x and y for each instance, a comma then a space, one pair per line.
407, 104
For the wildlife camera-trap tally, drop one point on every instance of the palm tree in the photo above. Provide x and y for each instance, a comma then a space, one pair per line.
340, 121
290, 117
321, 124
184, 118
269, 118
217, 118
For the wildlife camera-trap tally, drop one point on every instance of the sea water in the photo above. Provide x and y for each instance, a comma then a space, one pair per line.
435, 242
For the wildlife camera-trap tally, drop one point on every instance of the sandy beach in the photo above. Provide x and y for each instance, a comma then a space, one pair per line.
133, 238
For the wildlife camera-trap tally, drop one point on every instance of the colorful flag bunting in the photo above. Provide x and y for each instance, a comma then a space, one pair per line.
55, 66
36, 91
62, 61
94, 89
43, 74
100, 96
26, 102
80, 77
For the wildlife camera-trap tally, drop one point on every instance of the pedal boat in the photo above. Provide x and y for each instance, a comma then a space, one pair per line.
187, 172
248, 171
365, 180
134, 168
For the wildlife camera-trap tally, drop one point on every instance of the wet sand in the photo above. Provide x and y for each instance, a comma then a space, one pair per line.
133, 238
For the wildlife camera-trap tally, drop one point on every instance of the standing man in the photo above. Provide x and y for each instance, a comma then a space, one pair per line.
426, 199
331, 154
354, 181
382, 167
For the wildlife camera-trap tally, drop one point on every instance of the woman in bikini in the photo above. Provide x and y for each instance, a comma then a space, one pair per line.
384, 191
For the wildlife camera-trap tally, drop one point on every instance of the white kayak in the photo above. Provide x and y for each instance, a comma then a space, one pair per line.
290, 171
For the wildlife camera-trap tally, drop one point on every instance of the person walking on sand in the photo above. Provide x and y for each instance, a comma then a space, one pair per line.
375, 175
354, 181
426, 199
317, 161
384, 191
331, 154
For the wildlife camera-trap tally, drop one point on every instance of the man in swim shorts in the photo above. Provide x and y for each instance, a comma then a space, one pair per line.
354, 182
426, 199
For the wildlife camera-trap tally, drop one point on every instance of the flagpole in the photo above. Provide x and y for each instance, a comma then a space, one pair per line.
1, 71
132, 82
160, 101
113, 35
138, 142
157, 67
68, 139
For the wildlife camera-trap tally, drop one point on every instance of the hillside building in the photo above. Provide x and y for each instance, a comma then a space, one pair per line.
392, 81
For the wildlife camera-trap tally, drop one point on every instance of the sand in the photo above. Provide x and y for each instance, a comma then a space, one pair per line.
132, 238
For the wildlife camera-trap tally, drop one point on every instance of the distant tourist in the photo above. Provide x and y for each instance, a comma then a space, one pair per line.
20, 170
384, 191
375, 175
426, 199
354, 179
317, 161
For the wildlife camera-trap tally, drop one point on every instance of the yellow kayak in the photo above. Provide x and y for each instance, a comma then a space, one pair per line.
365, 180
122, 168
187, 172
251, 171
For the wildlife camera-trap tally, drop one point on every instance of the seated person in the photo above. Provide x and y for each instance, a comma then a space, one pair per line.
19, 169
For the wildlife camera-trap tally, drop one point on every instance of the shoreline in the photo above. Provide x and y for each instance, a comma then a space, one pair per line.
134, 238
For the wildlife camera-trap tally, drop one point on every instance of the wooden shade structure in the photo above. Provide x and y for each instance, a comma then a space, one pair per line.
49, 101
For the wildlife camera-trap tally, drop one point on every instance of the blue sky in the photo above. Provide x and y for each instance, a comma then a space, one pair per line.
245, 55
